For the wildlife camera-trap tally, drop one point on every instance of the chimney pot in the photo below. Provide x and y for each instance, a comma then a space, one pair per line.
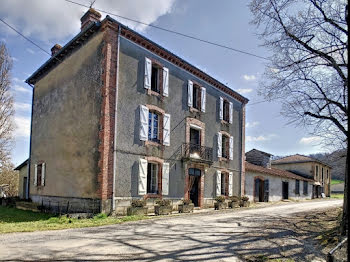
89, 17
55, 49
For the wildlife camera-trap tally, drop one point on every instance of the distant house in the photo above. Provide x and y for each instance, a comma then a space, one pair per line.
22, 181
308, 167
264, 183
117, 117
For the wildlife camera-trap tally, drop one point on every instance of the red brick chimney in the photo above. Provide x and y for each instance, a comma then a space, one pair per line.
89, 17
55, 49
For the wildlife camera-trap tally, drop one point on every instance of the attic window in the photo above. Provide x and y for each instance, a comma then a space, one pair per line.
155, 79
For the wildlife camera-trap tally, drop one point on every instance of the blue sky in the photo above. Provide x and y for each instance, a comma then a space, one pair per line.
227, 23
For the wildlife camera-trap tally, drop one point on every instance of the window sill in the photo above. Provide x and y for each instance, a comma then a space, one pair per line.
224, 159
150, 195
151, 143
154, 93
194, 110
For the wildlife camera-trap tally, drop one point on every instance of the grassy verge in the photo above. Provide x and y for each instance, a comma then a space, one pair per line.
338, 196
15, 220
335, 181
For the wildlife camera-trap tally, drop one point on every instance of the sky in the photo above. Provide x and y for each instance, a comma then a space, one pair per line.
228, 23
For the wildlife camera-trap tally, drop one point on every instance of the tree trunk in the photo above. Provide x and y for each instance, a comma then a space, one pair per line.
344, 222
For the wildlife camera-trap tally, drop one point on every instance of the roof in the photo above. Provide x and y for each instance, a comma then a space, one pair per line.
267, 154
137, 38
22, 165
297, 159
274, 172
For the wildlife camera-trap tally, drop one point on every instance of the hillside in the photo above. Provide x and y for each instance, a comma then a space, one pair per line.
336, 160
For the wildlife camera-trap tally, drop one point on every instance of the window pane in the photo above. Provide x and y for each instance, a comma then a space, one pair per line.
152, 178
154, 79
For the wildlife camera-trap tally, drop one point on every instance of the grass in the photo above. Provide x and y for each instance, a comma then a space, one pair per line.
337, 196
335, 181
15, 220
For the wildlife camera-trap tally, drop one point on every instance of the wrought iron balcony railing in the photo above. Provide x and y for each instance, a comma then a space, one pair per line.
197, 152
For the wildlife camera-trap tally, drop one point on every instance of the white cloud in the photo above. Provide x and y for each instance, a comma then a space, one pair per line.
260, 138
249, 77
15, 79
311, 140
22, 126
252, 124
14, 59
244, 90
22, 106
21, 89
55, 20
30, 51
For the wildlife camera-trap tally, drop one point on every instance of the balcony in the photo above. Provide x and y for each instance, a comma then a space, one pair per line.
197, 153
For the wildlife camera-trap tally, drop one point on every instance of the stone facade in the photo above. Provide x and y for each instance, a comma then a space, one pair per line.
86, 122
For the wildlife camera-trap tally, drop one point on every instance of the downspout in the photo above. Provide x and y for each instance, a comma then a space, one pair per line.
115, 124
30, 144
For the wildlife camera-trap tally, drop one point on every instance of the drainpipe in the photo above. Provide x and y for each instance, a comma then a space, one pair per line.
115, 124
30, 144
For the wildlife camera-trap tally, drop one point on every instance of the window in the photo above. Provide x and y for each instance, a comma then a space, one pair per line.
155, 79
327, 176
196, 96
39, 174
297, 187
226, 112
224, 184
152, 178
153, 127
316, 173
225, 146
322, 177
305, 188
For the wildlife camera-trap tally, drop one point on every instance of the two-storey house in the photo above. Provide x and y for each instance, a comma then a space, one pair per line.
308, 167
117, 117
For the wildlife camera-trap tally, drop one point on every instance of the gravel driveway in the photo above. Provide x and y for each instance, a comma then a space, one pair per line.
213, 236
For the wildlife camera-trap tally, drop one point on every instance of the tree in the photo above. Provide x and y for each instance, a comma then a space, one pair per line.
6, 106
308, 68
10, 178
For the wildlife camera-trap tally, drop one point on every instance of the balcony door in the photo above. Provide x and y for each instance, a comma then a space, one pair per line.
195, 142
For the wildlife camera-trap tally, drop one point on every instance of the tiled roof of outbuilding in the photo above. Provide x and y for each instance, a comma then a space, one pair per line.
274, 172
296, 159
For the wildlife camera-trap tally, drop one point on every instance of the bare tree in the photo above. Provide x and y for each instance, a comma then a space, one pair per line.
308, 68
6, 106
9, 178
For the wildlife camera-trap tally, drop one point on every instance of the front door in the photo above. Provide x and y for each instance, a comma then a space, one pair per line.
194, 180
284, 190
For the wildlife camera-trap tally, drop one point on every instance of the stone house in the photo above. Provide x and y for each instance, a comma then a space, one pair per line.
308, 167
117, 117
22, 179
264, 183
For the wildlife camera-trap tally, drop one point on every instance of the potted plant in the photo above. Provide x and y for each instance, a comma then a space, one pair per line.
186, 207
163, 207
220, 203
137, 208
234, 201
244, 201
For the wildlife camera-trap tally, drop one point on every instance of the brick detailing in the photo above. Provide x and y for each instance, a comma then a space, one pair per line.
200, 183
243, 153
107, 120
198, 123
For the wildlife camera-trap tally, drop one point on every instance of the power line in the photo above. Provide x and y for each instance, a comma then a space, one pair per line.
171, 31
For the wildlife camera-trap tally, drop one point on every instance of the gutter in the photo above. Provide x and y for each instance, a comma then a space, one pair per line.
115, 124
30, 144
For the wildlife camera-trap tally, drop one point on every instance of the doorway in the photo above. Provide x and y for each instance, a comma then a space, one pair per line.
24, 187
261, 190
194, 182
285, 187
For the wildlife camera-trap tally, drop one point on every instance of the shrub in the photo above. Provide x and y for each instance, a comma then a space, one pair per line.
187, 202
235, 198
220, 199
100, 216
245, 198
138, 203
163, 202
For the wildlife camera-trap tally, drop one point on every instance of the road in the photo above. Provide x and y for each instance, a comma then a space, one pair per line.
211, 236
